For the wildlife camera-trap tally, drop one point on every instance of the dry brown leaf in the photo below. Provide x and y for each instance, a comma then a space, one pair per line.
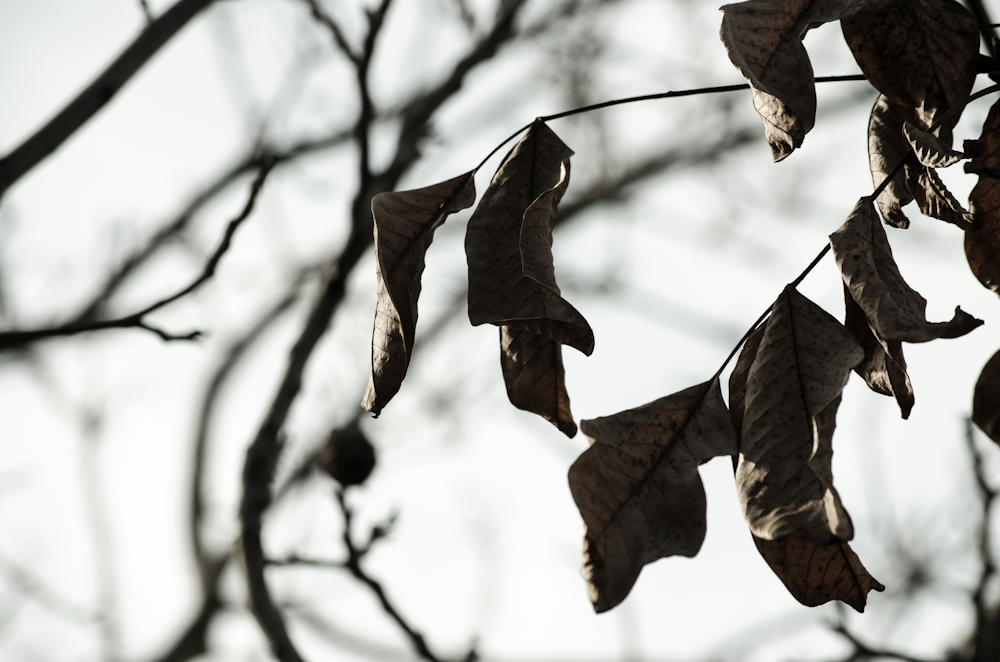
921, 54
738, 383
886, 148
815, 574
933, 197
638, 488
764, 41
894, 310
982, 245
405, 222
509, 245
929, 149
883, 368
986, 399
536, 381
783, 478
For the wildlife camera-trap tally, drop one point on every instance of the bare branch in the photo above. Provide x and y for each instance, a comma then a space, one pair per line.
231, 358
353, 563
294, 560
147, 12
251, 163
47, 139
13, 339
863, 651
985, 616
338, 36
263, 453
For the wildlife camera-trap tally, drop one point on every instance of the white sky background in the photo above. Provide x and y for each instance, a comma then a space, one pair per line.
488, 541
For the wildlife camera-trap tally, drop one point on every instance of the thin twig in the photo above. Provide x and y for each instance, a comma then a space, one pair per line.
232, 357
327, 21
47, 139
862, 650
147, 12
957, 108
987, 495
353, 563
295, 560
13, 339
263, 452
649, 97
180, 221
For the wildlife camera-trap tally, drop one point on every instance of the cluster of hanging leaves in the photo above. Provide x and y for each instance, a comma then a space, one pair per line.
637, 486
512, 282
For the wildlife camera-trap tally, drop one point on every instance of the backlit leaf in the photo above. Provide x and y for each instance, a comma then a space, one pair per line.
933, 197
783, 479
921, 54
638, 488
886, 148
982, 245
738, 382
883, 368
405, 222
536, 381
894, 310
817, 574
763, 39
509, 245
929, 149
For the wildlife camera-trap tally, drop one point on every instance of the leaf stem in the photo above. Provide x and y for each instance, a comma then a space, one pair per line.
649, 97
881, 187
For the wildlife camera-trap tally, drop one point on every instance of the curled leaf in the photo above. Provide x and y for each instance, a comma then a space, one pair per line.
883, 368
921, 54
738, 383
886, 148
509, 244
783, 479
982, 245
404, 222
815, 574
934, 198
894, 310
986, 399
534, 375
638, 488
764, 41
929, 149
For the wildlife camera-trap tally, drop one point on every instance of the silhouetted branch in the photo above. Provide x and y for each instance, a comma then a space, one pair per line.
146, 11
353, 563
232, 356
251, 163
861, 650
47, 139
986, 616
338, 36
12, 339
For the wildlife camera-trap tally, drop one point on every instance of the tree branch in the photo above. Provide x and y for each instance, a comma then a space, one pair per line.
14, 339
353, 563
47, 139
251, 163
263, 453
985, 617
231, 358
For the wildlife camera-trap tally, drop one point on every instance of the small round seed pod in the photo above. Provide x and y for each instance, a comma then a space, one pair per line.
348, 456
